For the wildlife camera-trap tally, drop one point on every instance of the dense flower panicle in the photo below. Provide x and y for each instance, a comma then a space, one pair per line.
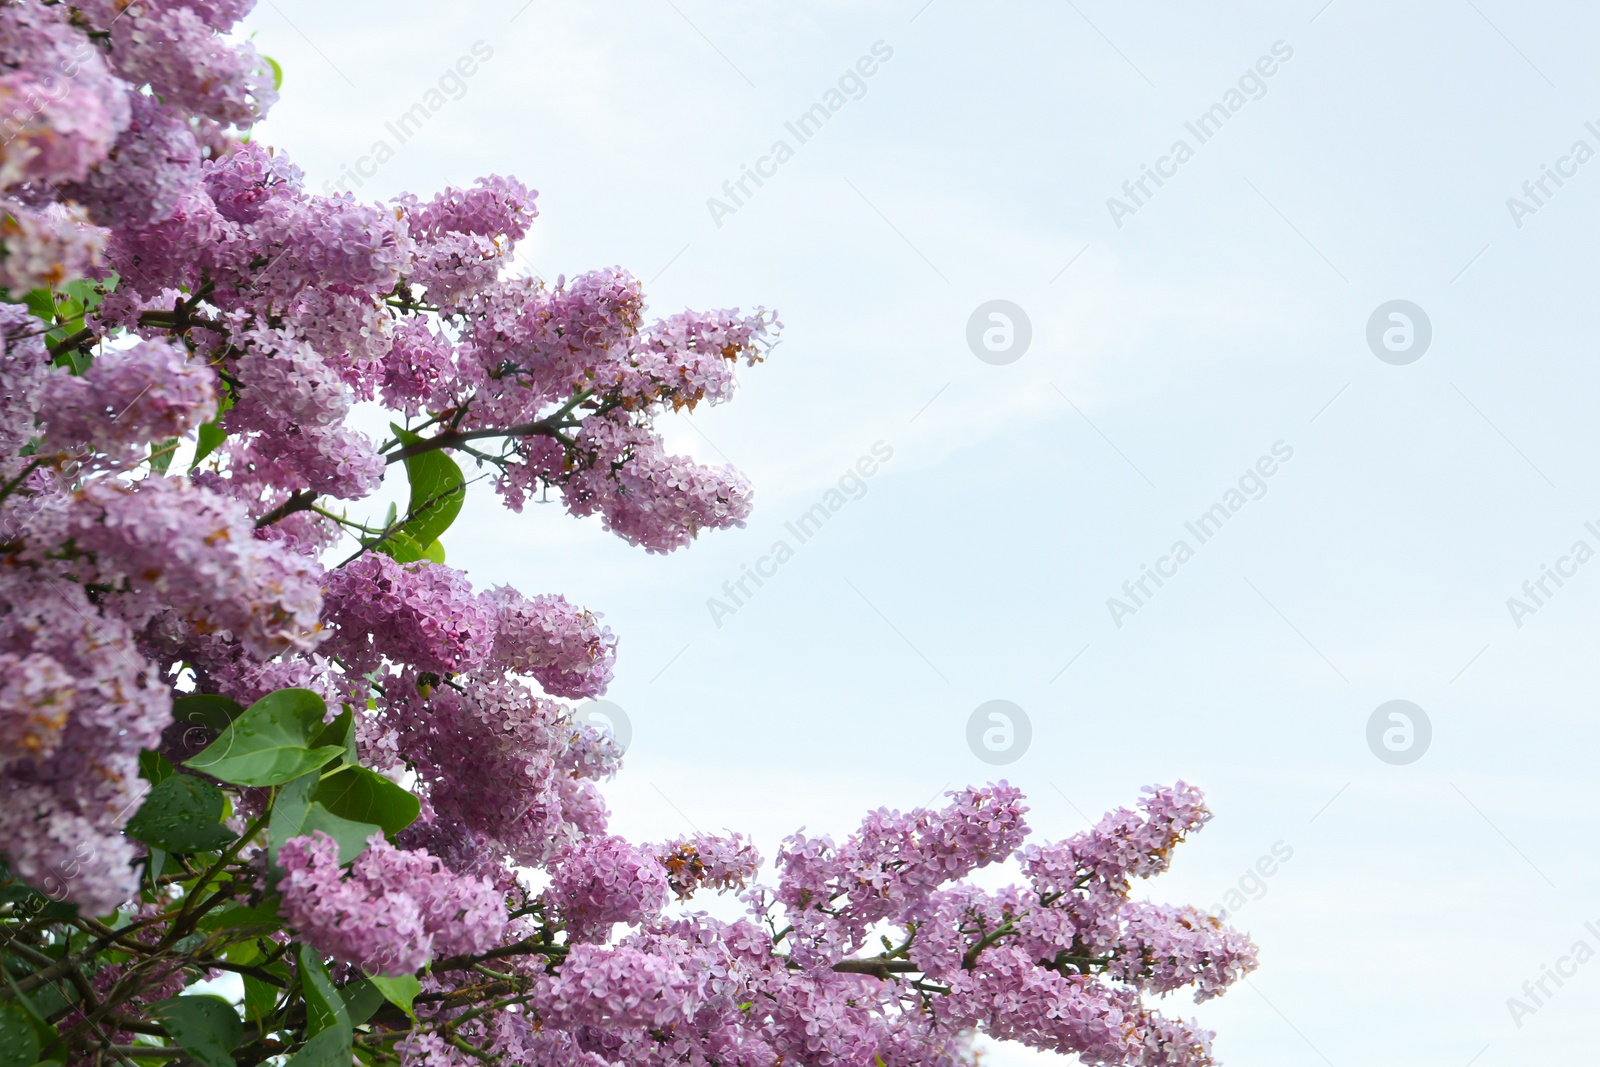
499, 764
531, 345
421, 614
331, 242
153, 165
462, 915
36, 695
618, 988
250, 178
710, 861
188, 63
563, 647
603, 881
394, 910
1121, 846
128, 397
162, 543
24, 374
645, 496
465, 236
60, 107
41, 248
81, 707
686, 358
1164, 948
419, 369
893, 862
295, 404
172, 250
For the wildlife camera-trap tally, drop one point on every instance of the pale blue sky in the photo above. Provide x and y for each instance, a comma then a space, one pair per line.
1224, 315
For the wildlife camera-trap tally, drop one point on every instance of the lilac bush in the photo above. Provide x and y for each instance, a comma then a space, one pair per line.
245, 733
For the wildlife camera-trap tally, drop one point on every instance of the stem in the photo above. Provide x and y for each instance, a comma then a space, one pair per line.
299, 501
71, 341
882, 966
547, 427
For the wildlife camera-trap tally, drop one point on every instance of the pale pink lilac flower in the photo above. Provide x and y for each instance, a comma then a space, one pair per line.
44, 248
127, 399
565, 648
422, 614
392, 912
602, 881
60, 108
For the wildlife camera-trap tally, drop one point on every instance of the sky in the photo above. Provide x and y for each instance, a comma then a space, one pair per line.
1339, 348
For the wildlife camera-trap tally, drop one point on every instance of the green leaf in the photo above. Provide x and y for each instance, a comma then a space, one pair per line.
296, 815
210, 710
206, 1027
327, 1049
208, 439
153, 767
438, 489
400, 547
18, 1037
182, 814
41, 304
325, 1009
270, 743
434, 552
161, 455
277, 72
400, 992
88, 294
365, 796
361, 999
242, 918
341, 731
19, 1041
259, 998
349, 835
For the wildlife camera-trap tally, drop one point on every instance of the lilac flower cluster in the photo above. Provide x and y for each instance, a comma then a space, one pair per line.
563, 647
83, 706
392, 912
150, 392
708, 861
602, 881
419, 614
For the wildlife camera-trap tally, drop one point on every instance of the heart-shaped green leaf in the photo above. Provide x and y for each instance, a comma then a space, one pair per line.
205, 1026
438, 490
368, 797
182, 814
271, 743
295, 814
211, 710
400, 992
